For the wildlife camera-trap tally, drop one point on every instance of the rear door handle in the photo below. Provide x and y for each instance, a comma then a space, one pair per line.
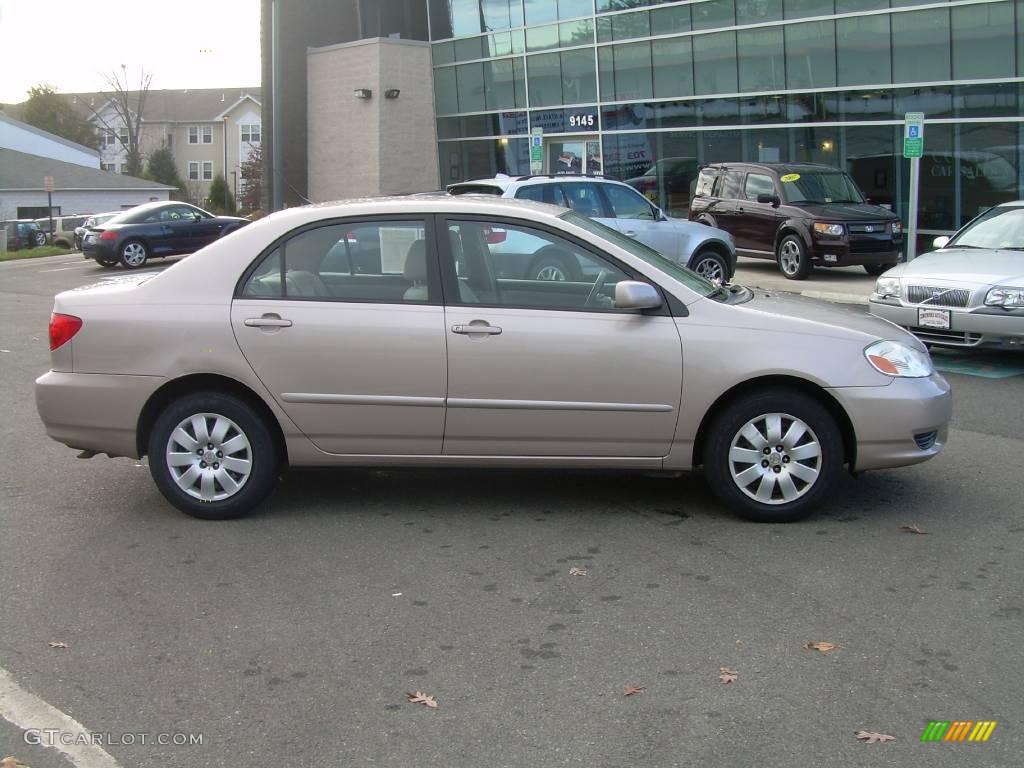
492, 330
268, 322
630, 233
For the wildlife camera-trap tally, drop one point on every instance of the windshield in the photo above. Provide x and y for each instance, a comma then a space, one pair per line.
819, 187
690, 279
995, 228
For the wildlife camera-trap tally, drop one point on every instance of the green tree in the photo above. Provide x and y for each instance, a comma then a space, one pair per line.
221, 200
161, 168
48, 110
251, 196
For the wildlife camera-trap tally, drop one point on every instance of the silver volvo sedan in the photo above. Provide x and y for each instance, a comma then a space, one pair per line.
380, 333
969, 292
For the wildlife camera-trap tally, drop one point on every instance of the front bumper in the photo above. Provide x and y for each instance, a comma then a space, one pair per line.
846, 252
977, 327
93, 411
904, 423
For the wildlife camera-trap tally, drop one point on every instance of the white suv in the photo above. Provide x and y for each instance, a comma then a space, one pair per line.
708, 251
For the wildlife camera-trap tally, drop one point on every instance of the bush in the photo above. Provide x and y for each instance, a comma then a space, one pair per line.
221, 200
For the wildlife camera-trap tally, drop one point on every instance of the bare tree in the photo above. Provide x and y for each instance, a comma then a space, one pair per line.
129, 106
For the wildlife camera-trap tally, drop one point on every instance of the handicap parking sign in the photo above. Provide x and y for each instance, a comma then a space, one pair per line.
913, 131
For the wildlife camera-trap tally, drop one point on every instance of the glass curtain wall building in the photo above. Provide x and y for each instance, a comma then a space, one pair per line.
648, 91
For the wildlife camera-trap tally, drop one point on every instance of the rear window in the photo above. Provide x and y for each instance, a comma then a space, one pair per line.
474, 189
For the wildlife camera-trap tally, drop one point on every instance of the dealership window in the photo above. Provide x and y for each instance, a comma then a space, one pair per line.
461, 160
626, 71
920, 46
624, 26
471, 48
504, 86
470, 79
562, 78
193, 171
207, 170
800, 9
762, 62
672, 61
983, 41
714, 14
852, 6
200, 134
251, 133
446, 93
714, 58
863, 52
872, 162
665, 21
988, 167
755, 11
443, 53
810, 55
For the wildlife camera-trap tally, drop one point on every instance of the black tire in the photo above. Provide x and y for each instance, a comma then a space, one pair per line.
792, 258
129, 253
262, 453
876, 269
709, 263
552, 263
726, 428
107, 263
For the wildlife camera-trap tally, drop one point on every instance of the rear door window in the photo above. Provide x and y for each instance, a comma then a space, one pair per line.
732, 185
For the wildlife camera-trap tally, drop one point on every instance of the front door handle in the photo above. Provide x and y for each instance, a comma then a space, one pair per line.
268, 321
629, 233
491, 330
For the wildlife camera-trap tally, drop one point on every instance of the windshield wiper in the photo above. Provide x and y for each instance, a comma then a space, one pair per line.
858, 202
797, 202
719, 291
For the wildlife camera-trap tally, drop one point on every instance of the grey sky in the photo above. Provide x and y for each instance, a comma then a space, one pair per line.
183, 43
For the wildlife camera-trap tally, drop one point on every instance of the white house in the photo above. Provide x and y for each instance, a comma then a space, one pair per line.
22, 137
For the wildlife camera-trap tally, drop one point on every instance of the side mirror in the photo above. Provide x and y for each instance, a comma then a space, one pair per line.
772, 199
632, 294
940, 241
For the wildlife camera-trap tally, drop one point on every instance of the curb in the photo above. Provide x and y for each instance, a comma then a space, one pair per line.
840, 298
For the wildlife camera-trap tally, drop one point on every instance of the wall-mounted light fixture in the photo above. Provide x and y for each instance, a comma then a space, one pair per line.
391, 93
827, 145
363, 93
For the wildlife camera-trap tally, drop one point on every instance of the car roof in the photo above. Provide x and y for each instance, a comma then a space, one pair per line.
1011, 204
780, 167
503, 182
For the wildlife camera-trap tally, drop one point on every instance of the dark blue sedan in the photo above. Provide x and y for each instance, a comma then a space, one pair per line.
155, 230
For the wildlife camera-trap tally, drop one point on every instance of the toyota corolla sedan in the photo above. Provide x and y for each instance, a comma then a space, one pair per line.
379, 334
969, 292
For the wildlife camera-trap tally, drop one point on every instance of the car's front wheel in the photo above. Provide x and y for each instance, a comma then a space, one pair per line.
213, 456
108, 263
793, 259
773, 456
134, 254
710, 264
876, 269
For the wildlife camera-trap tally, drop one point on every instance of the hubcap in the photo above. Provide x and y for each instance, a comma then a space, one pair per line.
209, 457
711, 269
789, 256
550, 273
775, 458
134, 254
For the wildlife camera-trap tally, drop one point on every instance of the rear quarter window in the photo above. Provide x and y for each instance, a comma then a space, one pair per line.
706, 182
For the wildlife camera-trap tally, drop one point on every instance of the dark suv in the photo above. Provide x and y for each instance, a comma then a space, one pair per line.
800, 214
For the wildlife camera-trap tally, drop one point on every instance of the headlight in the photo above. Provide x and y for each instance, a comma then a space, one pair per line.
888, 286
1008, 298
897, 227
893, 358
836, 230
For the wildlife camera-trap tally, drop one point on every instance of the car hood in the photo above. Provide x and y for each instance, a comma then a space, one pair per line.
970, 266
803, 315
848, 211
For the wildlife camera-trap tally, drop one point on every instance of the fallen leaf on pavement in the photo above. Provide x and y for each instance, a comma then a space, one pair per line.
728, 675
422, 698
632, 690
912, 529
11, 762
870, 737
57, 644
822, 646
577, 571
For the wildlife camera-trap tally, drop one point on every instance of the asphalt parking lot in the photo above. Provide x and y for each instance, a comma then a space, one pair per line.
291, 637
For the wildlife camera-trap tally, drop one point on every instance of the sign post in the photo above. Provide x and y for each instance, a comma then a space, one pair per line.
913, 148
537, 151
48, 186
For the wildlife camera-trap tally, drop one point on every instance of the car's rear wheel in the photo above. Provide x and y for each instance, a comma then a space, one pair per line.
773, 456
134, 254
107, 262
39, 238
213, 456
876, 269
710, 264
793, 259
552, 263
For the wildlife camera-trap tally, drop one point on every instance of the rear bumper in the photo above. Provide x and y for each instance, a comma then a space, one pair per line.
97, 412
889, 422
98, 250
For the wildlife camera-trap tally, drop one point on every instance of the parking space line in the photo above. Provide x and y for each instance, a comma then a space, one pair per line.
27, 711
63, 269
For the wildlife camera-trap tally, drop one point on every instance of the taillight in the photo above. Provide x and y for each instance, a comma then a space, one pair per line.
108, 234
495, 236
62, 328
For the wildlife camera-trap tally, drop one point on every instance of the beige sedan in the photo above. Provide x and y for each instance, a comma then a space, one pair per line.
402, 333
